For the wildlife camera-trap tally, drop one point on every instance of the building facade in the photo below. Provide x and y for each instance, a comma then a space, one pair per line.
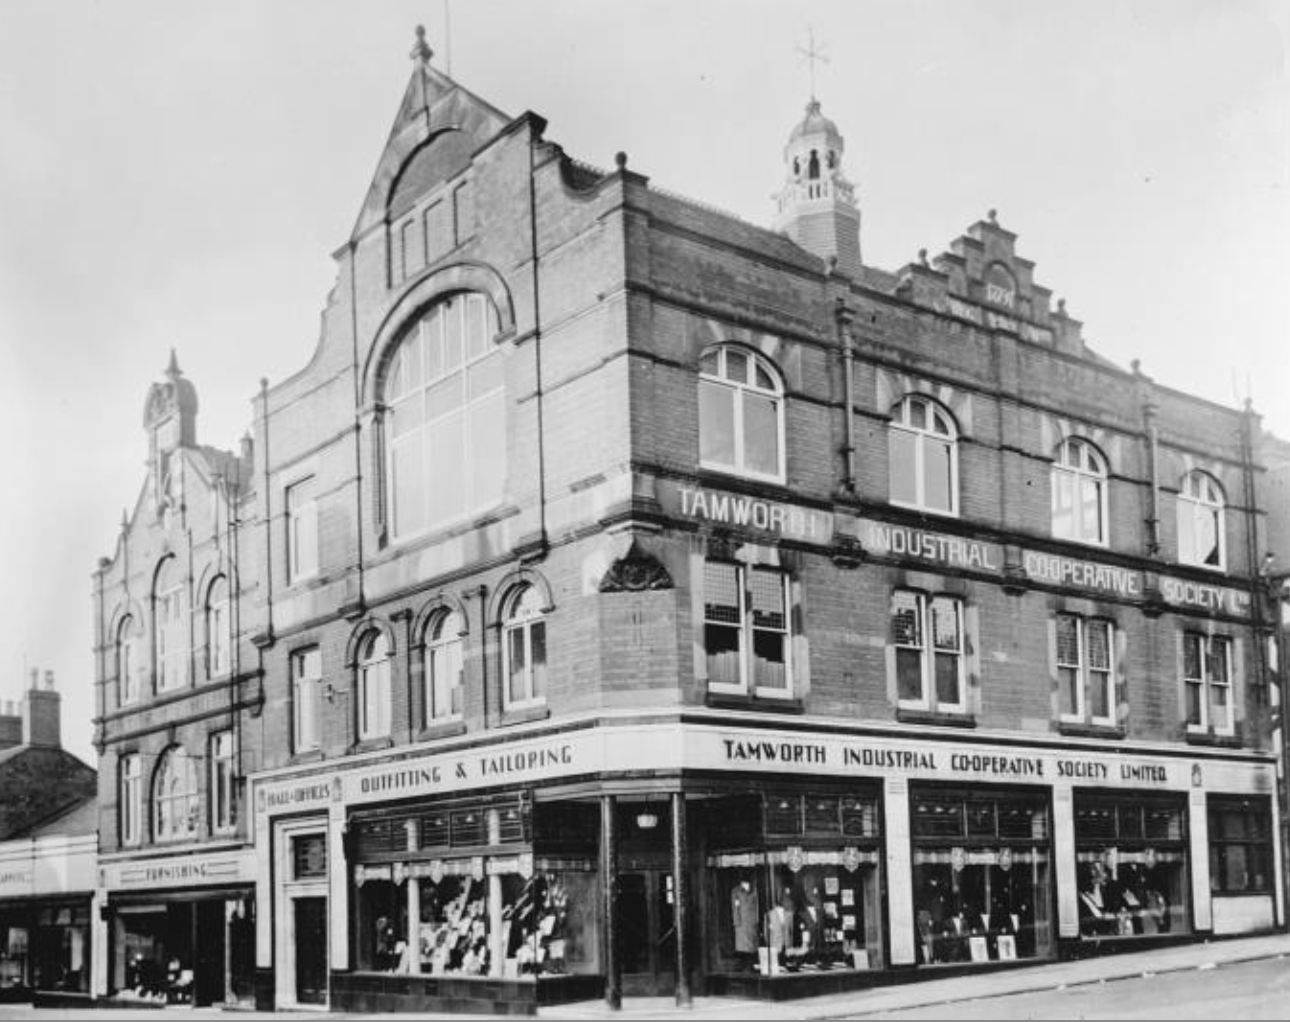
631, 599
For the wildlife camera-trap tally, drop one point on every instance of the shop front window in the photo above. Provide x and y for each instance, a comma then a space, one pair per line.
798, 889
61, 948
982, 877
1131, 866
1240, 845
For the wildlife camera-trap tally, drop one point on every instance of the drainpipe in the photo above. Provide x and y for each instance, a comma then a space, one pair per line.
844, 317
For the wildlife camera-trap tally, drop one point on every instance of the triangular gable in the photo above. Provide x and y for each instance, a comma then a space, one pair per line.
432, 104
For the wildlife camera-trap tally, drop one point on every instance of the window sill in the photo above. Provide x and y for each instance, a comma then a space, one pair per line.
523, 714
935, 717
313, 755
1215, 740
923, 510
372, 744
441, 729
1080, 729
763, 704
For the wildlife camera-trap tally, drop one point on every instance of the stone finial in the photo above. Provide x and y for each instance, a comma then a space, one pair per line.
172, 369
620, 160
421, 49
922, 257
1061, 306
993, 216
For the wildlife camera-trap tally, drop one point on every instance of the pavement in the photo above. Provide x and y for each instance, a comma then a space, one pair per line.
877, 1001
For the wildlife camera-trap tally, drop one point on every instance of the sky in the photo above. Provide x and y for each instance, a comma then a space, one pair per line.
176, 174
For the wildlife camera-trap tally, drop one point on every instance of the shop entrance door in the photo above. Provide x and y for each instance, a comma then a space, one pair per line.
311, 949
208, 953
647, 932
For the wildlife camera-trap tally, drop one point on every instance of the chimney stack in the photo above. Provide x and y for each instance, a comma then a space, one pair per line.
41, 713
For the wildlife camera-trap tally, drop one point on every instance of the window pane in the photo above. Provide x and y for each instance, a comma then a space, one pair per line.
1191, 656
901, 447
1063, 504
445, 396
736, 366
716, 424
1195, 707
447, 490
537, 650
770, 664
945, 625
516, 662
937, 475
761, 434
487, 451
906, 618
916, 414
721, 592
909, 674
408, 482
947, 679
1207, 536
1069, 678
1090, 513
1067, 642
1218, 648
1097, 637
766, 591
722, 645
1099, 694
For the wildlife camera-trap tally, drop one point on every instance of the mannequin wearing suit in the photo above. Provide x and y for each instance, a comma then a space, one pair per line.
779, 924
745, 915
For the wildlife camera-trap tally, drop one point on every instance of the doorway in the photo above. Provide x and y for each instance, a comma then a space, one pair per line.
646, 919
310, 919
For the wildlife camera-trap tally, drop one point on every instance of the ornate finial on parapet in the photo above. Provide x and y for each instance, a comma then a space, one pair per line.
922, 257
421, 50
1061, 306
173, 370
620, 161
993, 217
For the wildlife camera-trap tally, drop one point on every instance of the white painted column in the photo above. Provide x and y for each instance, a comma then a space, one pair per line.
414, 924
265, 901
1278, 903
900, 882
338, 887
98, 945
1201, 898
1064, 861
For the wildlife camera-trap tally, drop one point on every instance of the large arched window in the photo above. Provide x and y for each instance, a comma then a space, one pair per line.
446, 432
374, 686
170, 626
219, 633
1201, 525
923, 456
127, 662
175, 796
741, 414
443, 662
524, 645
1079, 493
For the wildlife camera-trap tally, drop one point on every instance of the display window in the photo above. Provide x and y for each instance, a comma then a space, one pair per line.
981, 876
1240, 844
14, 944
61, 948
802, 892
1131, 865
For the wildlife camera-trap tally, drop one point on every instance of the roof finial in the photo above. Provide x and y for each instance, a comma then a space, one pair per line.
812, 55
173, 370
421, 50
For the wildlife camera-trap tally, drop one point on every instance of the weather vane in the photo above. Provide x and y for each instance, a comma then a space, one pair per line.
813, 55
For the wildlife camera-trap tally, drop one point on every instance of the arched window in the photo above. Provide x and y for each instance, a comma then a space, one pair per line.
446, 430
127, 662
923, 456
175, 796
374, 686
524, 644
169, 627
741, 414
443, 660
1079, 493
1201, 525
219, 635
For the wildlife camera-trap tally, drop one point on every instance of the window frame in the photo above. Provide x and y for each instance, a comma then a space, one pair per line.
1079, 475
443, 640
374, 686
747, 630
219, 628
165, 803
525, 617
302, 529
928, 652
901, 422
130, 809
462, 415
302, 682
1192, 507
1084, 670
168, 613
1258, 806
1205, 683
223, 774
741, 390
128, 689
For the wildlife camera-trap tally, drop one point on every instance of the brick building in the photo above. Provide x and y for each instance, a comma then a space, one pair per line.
635, 599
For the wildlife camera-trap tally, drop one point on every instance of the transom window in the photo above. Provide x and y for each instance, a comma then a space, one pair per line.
175, 798
446, 432
923, 456
443, 693
127, 665
745, 628
131, 809
218, 628
1207, 673
1079, 493
1201, 538
169, 614
1085, 669
927, 632
374, 686
741, 414
524, 642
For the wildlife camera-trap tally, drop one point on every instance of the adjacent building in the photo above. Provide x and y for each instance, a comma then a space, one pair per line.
627, 598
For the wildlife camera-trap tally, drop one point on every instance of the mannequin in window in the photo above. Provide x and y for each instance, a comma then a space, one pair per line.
745, 915
779, 925
1097, 913
810, 926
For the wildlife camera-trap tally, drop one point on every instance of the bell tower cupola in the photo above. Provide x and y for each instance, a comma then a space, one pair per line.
817, 205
